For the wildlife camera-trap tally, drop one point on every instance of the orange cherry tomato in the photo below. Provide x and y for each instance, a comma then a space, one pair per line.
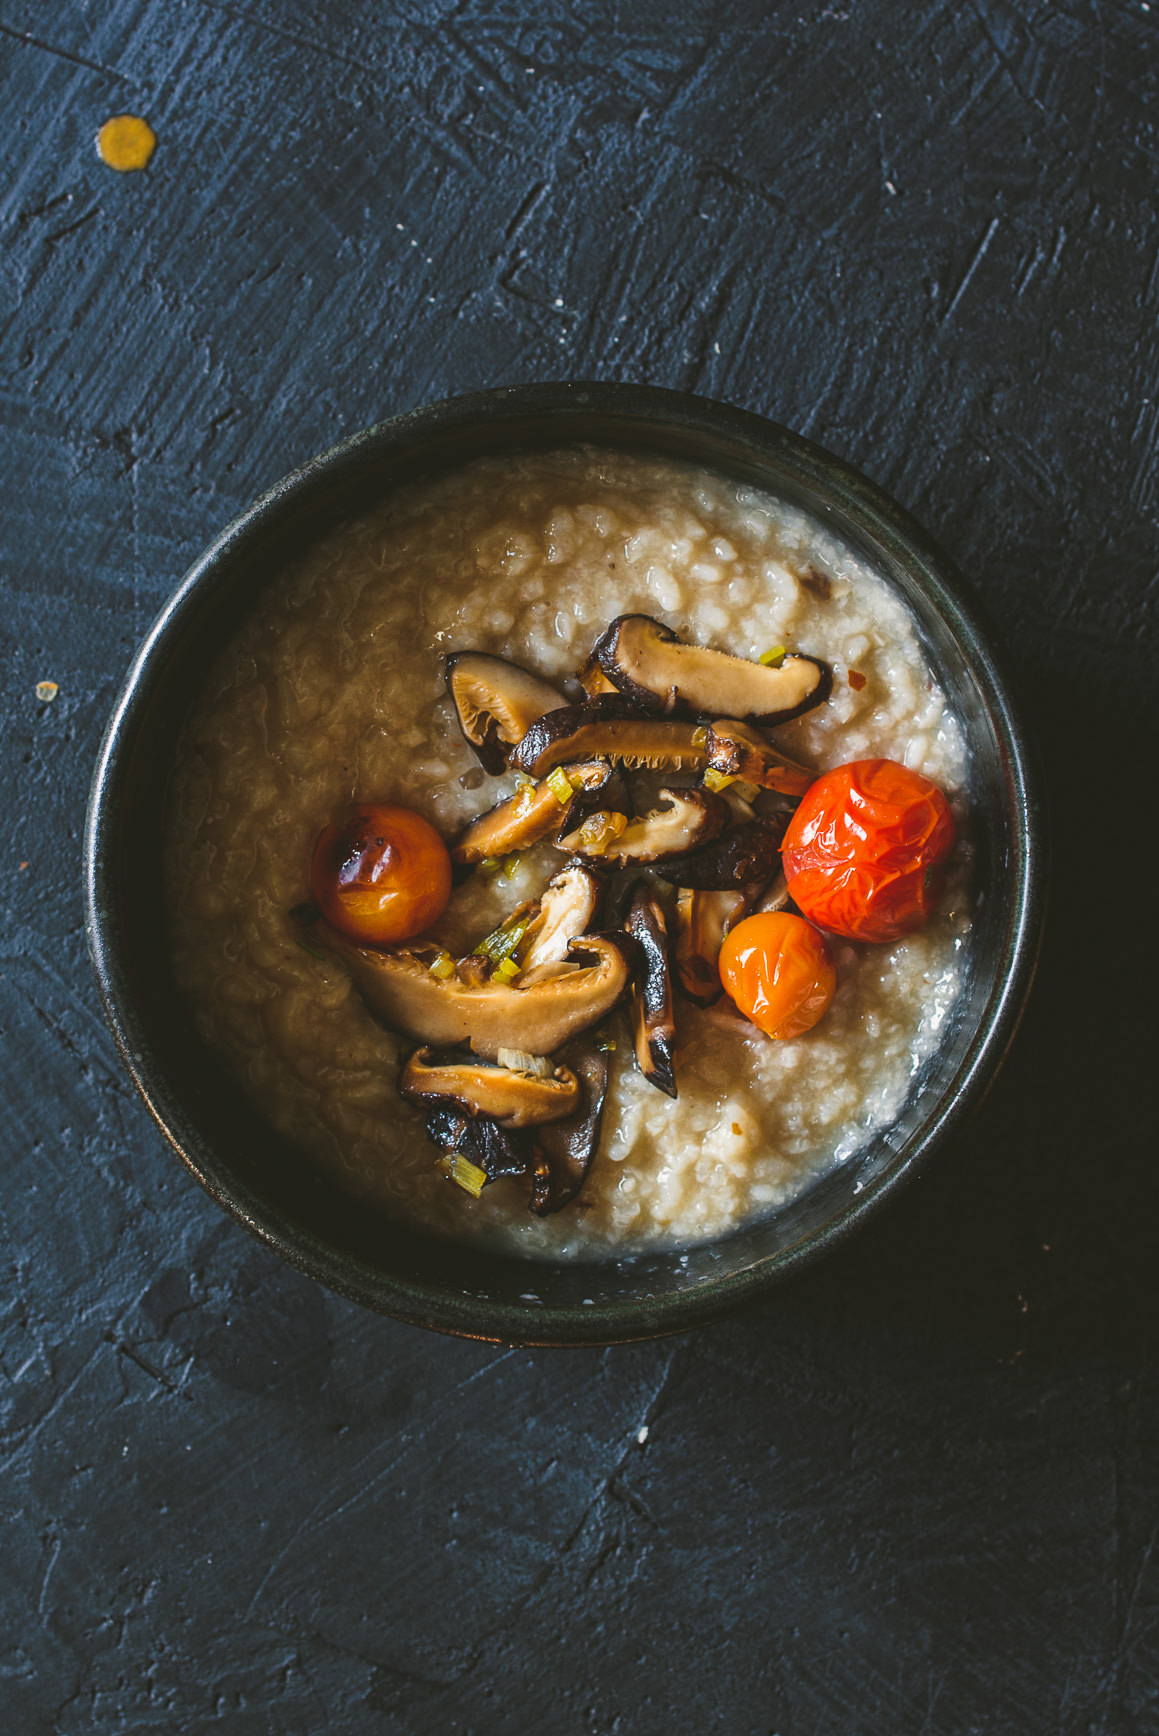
383, 875
864, 853
777, 969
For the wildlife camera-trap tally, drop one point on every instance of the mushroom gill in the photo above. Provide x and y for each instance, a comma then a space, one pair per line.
565, 1149
702, 920
496, 703
608, 728
568, 905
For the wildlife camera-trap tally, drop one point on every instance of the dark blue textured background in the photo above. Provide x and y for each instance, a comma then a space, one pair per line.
916, 1490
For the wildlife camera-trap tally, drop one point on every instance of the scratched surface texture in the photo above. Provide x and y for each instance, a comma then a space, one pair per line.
918, 1489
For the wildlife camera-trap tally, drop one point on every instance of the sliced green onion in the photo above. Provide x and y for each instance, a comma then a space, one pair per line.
523, 781
502, 941
312, 950
505, 970
512, 866
604, 1042
699, 736
746, 791
466, 1174
774, 657
442, 967
714, 780
559, 784
490, 866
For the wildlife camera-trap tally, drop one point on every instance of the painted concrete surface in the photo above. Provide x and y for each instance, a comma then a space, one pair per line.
916, 1490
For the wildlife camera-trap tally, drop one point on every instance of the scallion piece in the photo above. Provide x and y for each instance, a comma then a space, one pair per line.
746, 791
505, 970
512, 866
442, 967
502, 941
559, 784
774, 657
313, 951
466, 1174
714, 780
699, 736
490, 866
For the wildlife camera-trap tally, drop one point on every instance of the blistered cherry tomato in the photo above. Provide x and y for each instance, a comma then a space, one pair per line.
383, 875
777, 969
864, 852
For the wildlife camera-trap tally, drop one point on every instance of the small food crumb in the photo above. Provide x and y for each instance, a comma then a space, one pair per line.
23, 866
126, 142
46, 691
856, 680
642, 1435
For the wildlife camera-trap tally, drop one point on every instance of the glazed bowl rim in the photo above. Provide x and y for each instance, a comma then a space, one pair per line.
943, 587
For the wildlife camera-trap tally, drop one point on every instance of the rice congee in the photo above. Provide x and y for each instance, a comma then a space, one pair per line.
334, 693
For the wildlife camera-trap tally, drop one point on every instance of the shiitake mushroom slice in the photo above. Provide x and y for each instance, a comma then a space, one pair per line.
655, 669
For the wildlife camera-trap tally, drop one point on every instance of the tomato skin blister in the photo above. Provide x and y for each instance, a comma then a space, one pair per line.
778, 971
382, 876
864, 854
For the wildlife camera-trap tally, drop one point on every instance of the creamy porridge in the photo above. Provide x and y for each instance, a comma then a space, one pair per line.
333, 693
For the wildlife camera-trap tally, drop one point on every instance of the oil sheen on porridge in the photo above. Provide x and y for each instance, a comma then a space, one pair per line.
333, 693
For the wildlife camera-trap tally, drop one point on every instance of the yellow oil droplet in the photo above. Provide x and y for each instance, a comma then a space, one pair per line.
126, 142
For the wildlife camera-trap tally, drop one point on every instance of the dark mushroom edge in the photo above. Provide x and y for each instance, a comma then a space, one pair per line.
653, 1026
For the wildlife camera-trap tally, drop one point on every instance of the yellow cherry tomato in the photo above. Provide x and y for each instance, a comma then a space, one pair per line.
778, 971
382, 876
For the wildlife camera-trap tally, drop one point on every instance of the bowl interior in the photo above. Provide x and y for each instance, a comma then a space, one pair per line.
275, 1190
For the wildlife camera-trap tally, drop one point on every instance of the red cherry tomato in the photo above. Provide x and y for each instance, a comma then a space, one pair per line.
864, 852
777, 969
383, 875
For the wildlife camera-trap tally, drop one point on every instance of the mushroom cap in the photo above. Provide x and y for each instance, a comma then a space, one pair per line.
702, 920
496, 702
658, 671
565, 1149
687, 819
750, 852
526, 817
398, 988
477, 1087
653, 1025
737, 750
497, 1151
608, 728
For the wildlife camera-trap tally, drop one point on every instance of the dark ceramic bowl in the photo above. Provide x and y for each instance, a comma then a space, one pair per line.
272, 1189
